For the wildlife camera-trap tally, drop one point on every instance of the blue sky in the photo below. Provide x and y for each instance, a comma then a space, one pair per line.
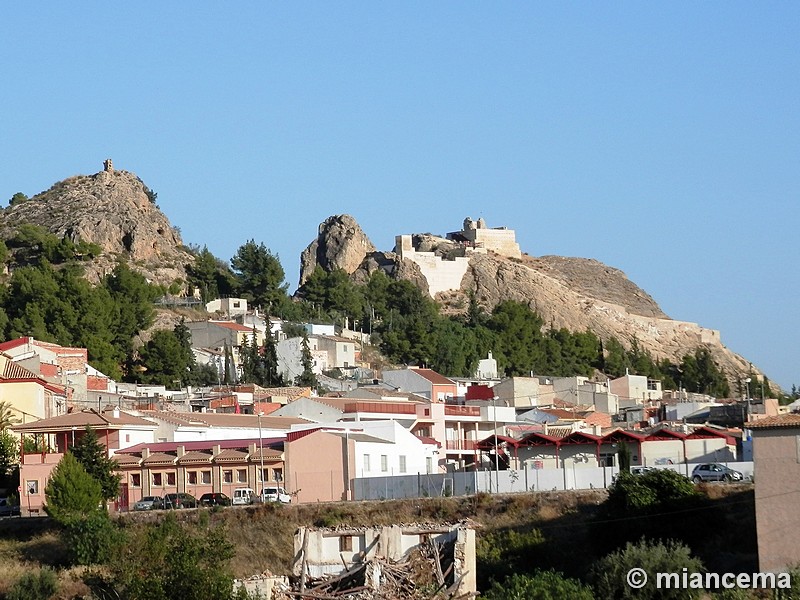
661, 139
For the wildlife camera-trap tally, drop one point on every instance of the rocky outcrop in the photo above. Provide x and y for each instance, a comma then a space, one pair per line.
575, 293
341, 244
581, 295
116, 211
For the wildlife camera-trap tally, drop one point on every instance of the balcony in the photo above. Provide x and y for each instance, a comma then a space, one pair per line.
462, 411
381, 407
466, 445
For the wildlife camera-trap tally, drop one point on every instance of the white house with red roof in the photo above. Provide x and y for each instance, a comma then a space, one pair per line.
423, 382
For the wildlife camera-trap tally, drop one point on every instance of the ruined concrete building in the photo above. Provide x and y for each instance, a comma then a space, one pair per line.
397, 560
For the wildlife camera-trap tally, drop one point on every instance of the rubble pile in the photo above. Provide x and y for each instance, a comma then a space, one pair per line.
425, 573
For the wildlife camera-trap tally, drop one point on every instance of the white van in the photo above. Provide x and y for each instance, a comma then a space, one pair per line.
244, 496
275, 494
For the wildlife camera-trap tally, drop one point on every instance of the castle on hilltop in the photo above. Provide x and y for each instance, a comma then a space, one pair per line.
477, 236
445, 270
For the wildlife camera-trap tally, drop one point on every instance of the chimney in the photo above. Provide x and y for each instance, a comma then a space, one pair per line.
145, 453
181, 450
546, 428
115, 413
251, 448
596, 429
216, 450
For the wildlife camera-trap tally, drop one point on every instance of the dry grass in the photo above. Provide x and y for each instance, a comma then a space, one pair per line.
263, 536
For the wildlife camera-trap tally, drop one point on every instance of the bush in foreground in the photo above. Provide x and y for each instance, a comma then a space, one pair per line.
543, 585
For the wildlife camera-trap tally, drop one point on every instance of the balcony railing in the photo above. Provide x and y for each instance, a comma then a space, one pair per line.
463, 411
461, 445
381, 407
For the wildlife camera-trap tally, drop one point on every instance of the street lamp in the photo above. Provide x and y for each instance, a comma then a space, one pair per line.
496, 452
261, 453
746, 396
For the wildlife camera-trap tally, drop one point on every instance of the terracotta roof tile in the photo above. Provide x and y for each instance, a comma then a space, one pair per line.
159, 458
232, 454
127, 459
195, 456
81, 419
269, 453
433, 376
785, 420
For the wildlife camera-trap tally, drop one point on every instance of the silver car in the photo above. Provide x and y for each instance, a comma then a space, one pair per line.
715, 472
149, 503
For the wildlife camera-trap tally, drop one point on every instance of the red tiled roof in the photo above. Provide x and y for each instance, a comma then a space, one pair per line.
14, 370
83, 418
195, 456
231, 454
269, 453
14, 343
207, 445
159, 458
434, 377
566, 415
233, 326
784, 421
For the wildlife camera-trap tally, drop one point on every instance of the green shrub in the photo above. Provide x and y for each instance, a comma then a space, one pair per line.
543, 585
71, 491
92, 539
609, 574
503, 553
34, 586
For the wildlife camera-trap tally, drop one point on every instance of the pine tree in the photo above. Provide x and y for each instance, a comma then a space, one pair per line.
307, 378
228, 377
71, 491
268, 360
93, 457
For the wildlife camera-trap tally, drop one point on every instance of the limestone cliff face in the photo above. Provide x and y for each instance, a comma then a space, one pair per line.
112, 209
582, 294
341, 244
576, 293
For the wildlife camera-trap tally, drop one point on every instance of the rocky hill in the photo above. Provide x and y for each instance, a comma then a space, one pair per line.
576, 293
113, 209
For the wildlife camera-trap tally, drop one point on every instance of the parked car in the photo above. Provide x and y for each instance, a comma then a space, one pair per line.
149, 503
7, 509
215, 499
180, 500
244, 496
641, 470
715, 472
275, 494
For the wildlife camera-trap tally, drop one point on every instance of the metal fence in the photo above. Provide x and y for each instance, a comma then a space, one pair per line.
464, 483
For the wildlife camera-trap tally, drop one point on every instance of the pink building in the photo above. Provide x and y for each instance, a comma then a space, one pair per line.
776, 462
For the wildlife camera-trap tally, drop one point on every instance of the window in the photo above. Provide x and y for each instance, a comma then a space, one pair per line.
263, 474
384, 463
345, 543
170, 478
241, 475
429, 464
32, 487
344, 349
157, 480
366, 463
205, 477
191, 477
136, 480
127, 437
402, 464
227, 476
278, 473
